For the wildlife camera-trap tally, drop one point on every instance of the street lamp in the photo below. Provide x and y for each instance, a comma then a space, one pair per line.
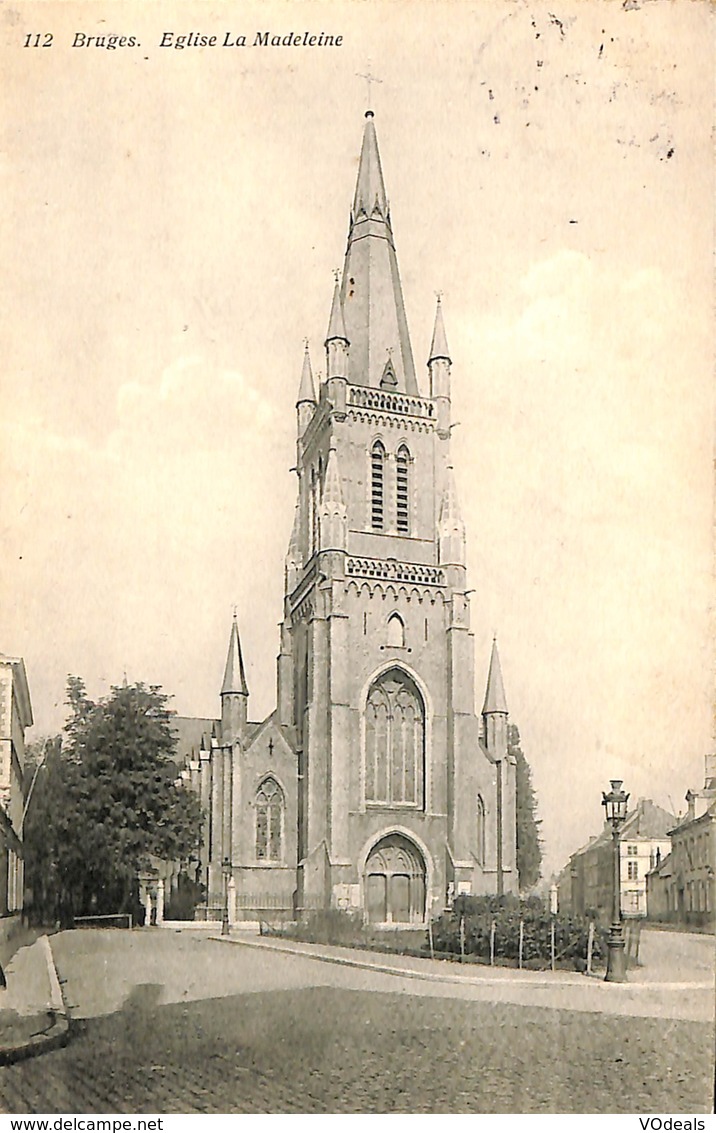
615, 805
226, 873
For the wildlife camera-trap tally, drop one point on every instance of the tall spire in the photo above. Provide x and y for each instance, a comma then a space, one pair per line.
371, 293
439, 346
370, 196
495, 699
234, 677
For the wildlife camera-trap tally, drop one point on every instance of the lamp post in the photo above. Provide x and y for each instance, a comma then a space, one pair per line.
226, 873
615, 805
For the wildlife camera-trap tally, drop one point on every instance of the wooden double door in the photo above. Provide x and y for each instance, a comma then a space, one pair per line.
395, 882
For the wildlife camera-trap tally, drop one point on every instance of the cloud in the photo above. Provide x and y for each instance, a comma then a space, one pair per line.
194, 405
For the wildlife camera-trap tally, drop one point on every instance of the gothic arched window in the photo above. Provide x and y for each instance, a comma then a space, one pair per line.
396, 631
394, 742
480, 831
402, 463
269, 821
377, 487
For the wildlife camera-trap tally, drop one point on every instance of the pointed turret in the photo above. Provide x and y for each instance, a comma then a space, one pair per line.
234, 691
371, 294
439, 346
439, 370
306, 403
294, 559
337, 352
494, 710
451, 528
336, 323
495, 699
333, 510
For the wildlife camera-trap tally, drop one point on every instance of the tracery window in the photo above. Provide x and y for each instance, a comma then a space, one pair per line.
269, 821
377, 487
402, 497
394, 742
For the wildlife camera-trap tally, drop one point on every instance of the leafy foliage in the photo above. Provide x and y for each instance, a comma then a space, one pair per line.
480, 913
107, 804
529, 845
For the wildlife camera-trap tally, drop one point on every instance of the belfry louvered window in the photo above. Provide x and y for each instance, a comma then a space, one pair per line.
401, 481
377, 487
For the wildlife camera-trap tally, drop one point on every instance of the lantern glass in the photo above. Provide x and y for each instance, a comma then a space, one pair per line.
615, 803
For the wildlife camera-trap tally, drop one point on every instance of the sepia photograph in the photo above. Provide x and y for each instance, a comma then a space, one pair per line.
357, 748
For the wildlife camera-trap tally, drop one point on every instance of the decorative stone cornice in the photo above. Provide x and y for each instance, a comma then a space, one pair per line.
390, 570
386, 402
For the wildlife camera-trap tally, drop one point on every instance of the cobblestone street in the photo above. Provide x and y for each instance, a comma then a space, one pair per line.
167, 1023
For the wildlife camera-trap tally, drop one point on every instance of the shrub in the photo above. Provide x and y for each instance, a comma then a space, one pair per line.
479, 914
330, 926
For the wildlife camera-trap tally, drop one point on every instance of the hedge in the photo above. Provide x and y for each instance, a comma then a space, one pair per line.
478, 915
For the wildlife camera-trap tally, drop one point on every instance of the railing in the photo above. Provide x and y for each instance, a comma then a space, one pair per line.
104, 920
361, 397
393, 571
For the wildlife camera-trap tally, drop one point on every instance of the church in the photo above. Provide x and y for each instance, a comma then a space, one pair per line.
374, 786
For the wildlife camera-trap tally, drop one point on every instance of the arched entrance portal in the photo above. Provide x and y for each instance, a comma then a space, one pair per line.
395, 882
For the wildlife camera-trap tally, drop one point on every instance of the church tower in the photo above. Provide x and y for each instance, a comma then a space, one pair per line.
373, 785
402, 799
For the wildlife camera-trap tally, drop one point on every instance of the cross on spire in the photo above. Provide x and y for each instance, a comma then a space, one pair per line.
369, 78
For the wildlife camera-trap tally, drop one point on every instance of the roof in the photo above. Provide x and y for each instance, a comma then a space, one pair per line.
190, 731
707, 815
647, 822
663, 869
21, 688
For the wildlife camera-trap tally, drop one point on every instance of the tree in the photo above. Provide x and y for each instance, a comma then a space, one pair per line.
529, 844
53, 836
110, 802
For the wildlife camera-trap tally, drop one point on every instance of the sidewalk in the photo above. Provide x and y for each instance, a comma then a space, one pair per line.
33, 1018
686, 998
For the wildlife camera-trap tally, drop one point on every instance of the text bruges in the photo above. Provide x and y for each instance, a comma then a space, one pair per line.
261, 39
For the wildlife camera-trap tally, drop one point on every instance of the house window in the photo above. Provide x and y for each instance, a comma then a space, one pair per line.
269, 821
632, 871
632, 851
377, 487
401, 479
480, 822
394, 742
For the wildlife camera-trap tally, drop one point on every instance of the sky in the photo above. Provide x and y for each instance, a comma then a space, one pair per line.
172, 220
